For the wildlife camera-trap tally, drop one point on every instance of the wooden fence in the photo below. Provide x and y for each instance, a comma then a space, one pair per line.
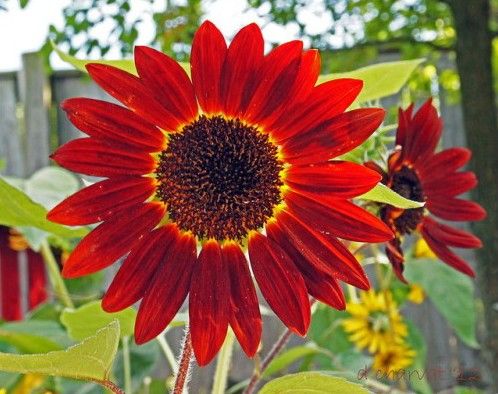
32, 125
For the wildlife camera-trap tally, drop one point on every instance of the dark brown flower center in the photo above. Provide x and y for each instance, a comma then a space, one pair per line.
407, 183
220, 178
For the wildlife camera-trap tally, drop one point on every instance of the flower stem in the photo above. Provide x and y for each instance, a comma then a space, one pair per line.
221, 373
168, 353
126, 364
275, 350
184, 365
54, 274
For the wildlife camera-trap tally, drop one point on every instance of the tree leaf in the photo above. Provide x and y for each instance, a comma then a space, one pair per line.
90, 359
379, 80
313, 383
288, 357
124, 64
381, 193
450, 291
87, 319
17, 209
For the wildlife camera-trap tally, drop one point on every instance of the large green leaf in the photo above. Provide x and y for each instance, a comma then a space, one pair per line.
87, 319
17, 209
89, 360
379, 80
33, 336
288, 357
450, 291
124, 64
50, 185
381, 193
312, 383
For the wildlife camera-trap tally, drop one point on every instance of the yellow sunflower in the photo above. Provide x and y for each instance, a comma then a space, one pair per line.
391, 362
375, 322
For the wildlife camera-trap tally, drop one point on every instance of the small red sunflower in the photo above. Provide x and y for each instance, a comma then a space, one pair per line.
12, 276
416, 172
242, 147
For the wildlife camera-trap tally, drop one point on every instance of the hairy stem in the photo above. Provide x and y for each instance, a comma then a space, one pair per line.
184, 365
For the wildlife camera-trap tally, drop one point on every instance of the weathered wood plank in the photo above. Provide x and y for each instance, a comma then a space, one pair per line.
35, 94
10, 140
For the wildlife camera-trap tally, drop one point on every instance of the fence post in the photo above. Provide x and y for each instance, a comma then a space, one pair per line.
10, 139
36, 96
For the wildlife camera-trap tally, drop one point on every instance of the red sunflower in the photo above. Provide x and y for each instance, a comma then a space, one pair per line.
242, 147
416, 172
12, 305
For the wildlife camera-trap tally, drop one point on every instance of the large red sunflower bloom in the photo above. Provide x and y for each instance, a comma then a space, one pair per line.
415, 171
242, 147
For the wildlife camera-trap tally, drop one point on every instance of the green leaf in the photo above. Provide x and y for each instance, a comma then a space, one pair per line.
89, 360
381, 193
313, 383
288, 357
379, 80
50, 185
450, 291
17, 209
23, 3
33, 336
87, 319
124, 64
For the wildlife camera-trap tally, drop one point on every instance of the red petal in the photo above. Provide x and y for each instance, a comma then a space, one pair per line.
276, 79
110, 121
111, 240
102, 200
456, 209
395, 255
245, 317
325, 252
339, 179
445, 254
324, 102
340, 218
98, 157
404, 120
167, 81
209, 50
444, 162
449, 235
37, 279
244, 57
320, 283
138, 270
129, 90
423, 133
10, 284
280, 282
168, 289
452, 185
209, 303
334, 137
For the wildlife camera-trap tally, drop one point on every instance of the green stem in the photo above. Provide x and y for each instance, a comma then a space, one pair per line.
168, 353
126, 364
221, 373
55, 275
